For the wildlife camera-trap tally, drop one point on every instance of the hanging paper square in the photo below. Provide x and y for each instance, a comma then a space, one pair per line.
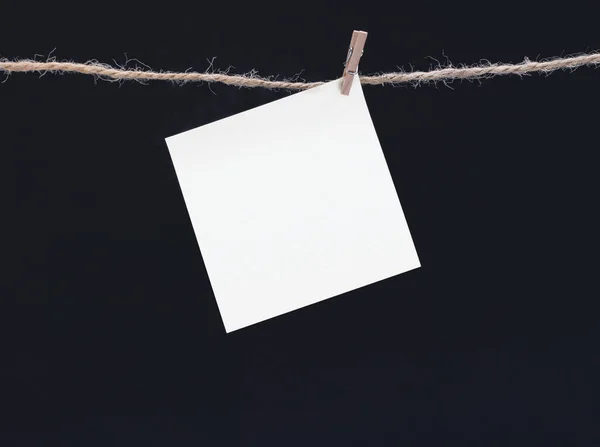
292, 203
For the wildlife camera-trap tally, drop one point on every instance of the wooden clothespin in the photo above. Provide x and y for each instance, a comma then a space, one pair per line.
354, 53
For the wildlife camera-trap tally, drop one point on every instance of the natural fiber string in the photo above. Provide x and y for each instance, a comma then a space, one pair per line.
416, 77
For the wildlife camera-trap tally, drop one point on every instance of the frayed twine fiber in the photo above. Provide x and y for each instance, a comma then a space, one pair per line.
441, 74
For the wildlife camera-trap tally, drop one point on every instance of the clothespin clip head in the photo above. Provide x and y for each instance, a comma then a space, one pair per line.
355, 51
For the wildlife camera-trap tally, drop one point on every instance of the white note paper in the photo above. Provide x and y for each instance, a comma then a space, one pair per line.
292, 203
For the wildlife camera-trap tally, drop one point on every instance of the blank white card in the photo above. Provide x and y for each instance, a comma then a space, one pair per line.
292, 203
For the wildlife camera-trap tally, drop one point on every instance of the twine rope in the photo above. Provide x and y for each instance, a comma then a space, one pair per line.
442, 74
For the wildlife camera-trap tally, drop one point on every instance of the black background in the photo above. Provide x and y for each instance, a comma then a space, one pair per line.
110, 334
